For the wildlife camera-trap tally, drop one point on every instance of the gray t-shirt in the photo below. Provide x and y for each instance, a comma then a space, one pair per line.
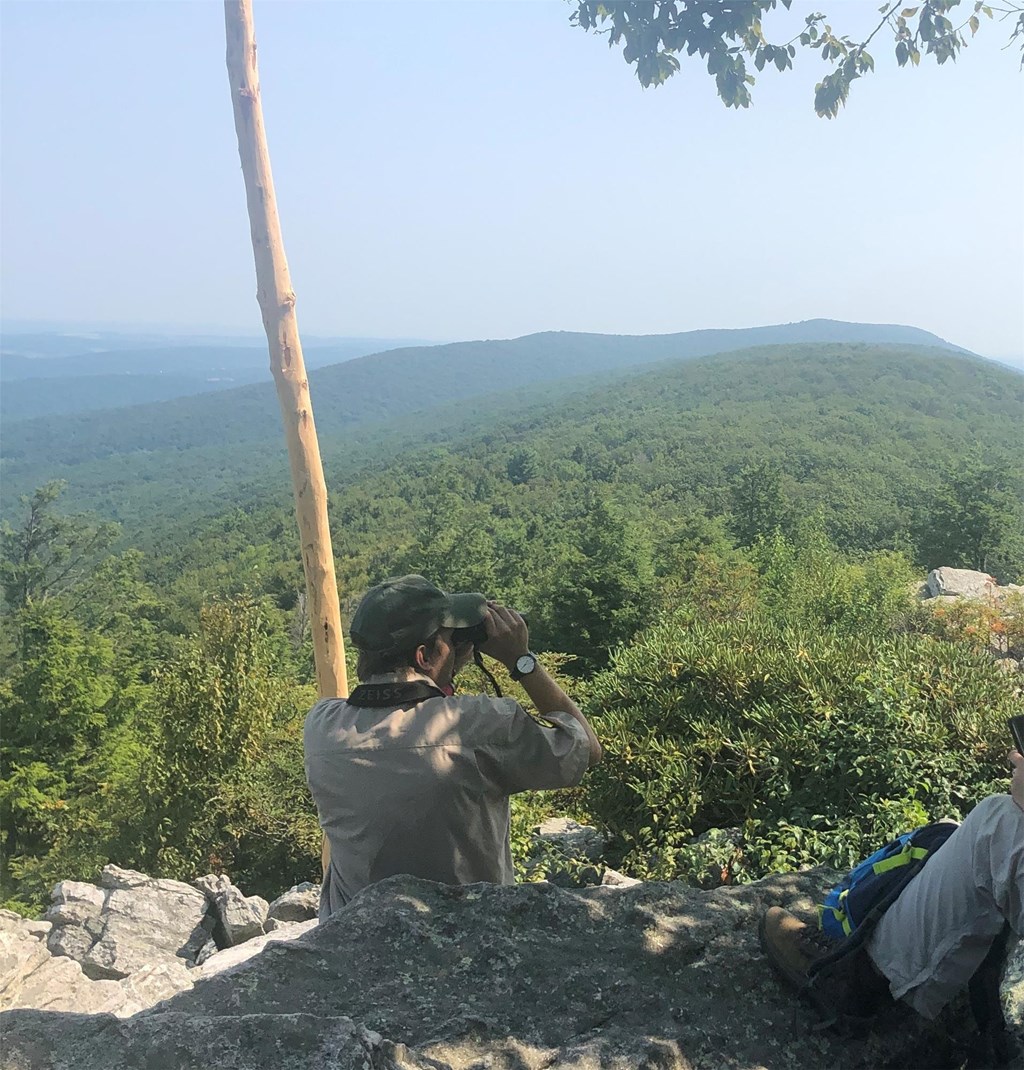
424, 789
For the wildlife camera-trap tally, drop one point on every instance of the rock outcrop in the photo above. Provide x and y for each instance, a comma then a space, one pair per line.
239, 917
961, 583
133, 941
32, 976
535, 977
298, 904
997, 609
130, 921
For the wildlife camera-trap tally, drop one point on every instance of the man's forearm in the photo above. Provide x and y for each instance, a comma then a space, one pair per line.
507, 641
548, 697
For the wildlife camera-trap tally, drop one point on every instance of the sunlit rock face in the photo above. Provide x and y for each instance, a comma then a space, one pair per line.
533, 977
133, 940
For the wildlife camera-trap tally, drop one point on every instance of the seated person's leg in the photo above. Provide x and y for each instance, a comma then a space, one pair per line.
932, 939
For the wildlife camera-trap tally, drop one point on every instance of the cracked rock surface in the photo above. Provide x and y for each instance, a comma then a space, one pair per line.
129, 922
482, 977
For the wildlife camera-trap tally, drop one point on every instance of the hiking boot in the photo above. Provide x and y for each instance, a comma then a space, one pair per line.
791, 945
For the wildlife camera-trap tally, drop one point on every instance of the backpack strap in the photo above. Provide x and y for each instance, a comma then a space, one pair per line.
908, 854
838, 913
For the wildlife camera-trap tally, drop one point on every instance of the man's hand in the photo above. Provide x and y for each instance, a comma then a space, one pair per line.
1017, 780
507, 636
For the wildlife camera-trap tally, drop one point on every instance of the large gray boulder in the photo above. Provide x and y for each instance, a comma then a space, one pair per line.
300, 903
131, 921
21, 954
75, 919
57, 983
31, 977
189, 1042
534, 977
960, 583
239, 917
231, 957
11, 922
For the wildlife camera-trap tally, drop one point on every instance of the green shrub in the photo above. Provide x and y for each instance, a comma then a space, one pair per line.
270, 837
226, 785
815, 743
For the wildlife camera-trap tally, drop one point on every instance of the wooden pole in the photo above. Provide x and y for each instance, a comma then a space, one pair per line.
277, 304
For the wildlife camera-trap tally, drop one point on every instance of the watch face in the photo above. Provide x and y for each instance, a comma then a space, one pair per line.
527, 663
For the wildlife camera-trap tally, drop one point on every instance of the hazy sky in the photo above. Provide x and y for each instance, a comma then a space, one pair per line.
482, 169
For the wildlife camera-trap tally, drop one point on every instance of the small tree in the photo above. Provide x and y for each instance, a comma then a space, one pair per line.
603, 589
760, 504
56, 707
976, 520
217, 702
523, 466
49, 554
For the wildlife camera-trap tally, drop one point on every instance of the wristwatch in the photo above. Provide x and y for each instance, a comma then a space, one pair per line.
525, 664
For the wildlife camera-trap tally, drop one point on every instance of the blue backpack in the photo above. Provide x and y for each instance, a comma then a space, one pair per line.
877, 881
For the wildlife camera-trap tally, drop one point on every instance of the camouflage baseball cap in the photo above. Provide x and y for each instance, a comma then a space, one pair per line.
407, 610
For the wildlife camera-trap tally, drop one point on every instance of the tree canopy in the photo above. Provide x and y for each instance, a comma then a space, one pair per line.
730, 36
714, 554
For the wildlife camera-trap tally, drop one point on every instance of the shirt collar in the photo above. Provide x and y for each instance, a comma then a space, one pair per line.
406, 674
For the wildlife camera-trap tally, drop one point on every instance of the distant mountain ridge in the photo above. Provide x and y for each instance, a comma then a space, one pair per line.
905, 408
55, 345
384, 386
607, 351
41, 378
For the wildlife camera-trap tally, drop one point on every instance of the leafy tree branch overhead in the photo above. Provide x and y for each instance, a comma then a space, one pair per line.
729, 35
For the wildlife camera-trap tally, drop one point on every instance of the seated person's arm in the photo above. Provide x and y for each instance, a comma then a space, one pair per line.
548, 697
507, 640
1017, 780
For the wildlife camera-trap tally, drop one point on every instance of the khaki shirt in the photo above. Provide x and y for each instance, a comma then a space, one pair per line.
424, 789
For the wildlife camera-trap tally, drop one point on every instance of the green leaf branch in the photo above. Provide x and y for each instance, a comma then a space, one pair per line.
728, 36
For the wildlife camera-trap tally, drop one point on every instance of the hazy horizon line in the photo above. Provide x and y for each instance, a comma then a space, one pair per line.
83, 328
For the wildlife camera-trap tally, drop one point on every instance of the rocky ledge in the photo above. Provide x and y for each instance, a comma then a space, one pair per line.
535, 977
134, 940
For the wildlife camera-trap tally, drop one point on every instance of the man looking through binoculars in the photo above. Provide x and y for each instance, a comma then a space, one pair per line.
410, 778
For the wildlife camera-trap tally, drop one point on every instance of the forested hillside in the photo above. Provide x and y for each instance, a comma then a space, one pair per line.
380, 388
871, 438
716, 553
